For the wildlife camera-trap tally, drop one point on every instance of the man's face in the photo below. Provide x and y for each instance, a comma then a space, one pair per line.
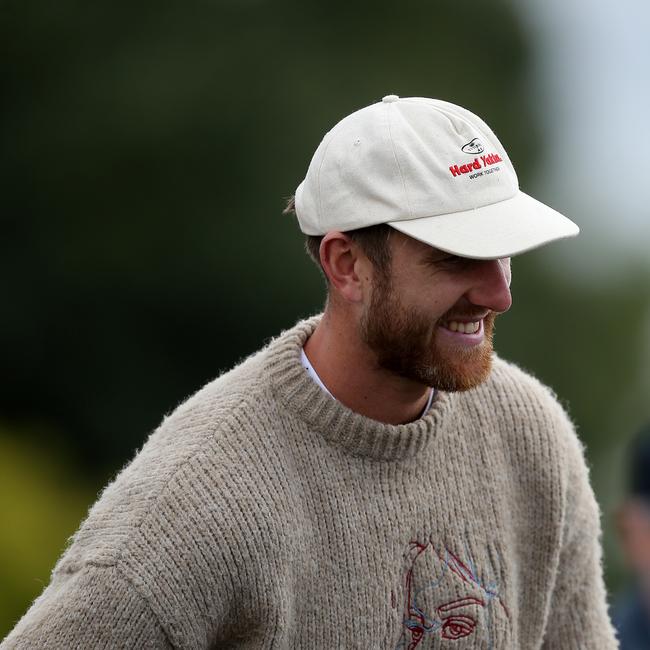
431, 320
634, 531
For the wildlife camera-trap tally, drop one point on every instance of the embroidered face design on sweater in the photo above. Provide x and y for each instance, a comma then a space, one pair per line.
445, 600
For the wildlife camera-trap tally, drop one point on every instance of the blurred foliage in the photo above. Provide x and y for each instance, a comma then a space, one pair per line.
42, 502
589, 341
147, 153
586, 341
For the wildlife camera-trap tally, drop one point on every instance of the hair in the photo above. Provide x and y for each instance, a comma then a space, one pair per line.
373, 241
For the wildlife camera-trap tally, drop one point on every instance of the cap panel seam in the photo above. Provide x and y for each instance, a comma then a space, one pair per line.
319, 214
399, 168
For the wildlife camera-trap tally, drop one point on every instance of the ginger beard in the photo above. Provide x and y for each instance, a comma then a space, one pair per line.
404, 342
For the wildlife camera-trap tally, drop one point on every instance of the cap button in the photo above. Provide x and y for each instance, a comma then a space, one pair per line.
389, 99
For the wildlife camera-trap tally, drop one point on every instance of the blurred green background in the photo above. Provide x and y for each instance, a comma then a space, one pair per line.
147, 152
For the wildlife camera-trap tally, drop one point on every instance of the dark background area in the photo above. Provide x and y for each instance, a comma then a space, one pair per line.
147, 153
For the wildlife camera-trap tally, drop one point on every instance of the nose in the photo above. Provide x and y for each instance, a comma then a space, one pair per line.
491, 287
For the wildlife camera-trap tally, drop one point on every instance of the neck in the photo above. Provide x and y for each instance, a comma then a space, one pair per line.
349, 370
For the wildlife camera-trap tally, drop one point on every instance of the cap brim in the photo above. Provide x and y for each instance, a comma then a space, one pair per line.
493, 231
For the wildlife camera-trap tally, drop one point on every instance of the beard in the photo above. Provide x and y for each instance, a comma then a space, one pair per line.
403, 340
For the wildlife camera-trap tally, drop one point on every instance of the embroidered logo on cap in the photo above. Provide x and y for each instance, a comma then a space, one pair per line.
476, 164
475, 167
473, 146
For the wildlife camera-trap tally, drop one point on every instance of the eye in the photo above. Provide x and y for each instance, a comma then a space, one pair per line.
416, 630
447, 263
457, 627
453, 262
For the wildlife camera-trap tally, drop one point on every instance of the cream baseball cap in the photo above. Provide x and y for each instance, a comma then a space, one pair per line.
430, 169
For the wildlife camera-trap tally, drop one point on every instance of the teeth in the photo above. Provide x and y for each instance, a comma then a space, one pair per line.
464, 328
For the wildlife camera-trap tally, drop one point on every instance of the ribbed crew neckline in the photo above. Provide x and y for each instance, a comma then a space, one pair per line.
339, 425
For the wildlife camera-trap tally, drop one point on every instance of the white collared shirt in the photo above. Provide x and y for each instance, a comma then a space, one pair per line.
306, 364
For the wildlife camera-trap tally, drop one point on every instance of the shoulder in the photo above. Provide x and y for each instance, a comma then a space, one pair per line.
522, 397
532, 422
197, 462
540, 455
200, 509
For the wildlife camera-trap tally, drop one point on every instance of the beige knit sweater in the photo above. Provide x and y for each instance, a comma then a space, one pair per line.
264, 514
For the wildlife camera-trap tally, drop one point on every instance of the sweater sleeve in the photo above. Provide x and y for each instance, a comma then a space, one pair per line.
578, 616
95, 607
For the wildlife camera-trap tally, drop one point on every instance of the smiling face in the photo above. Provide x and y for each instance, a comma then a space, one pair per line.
446, 599
431, 318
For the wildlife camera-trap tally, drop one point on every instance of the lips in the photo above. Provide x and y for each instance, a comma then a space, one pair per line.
462, 331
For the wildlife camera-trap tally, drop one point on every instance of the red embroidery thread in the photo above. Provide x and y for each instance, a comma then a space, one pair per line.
449, 620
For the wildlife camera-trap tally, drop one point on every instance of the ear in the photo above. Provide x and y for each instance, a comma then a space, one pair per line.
344, 265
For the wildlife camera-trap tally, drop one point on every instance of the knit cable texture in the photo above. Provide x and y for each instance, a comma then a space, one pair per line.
264, 514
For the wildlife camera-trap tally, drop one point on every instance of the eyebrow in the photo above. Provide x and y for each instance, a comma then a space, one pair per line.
457, 604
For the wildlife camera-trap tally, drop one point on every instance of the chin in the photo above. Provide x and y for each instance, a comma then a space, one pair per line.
456, 376
466, 370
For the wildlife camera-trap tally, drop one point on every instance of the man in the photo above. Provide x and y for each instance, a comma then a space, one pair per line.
375, 477
632, 614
